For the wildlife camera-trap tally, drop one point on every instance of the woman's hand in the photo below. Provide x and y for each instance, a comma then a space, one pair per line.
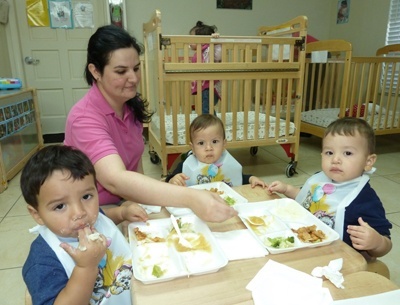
210, 206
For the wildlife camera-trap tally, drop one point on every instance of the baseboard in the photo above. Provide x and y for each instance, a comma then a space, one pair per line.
53, 138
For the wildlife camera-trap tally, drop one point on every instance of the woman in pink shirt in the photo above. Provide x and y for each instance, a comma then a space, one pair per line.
107, 125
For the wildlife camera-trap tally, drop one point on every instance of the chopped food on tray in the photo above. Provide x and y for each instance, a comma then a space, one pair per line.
196, 240
280, 242
145, 237
310, 234
229, 200
157, 271
216, 190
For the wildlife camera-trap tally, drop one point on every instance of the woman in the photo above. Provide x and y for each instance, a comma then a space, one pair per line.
107, 125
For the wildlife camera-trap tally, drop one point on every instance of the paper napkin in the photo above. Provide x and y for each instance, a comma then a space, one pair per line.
151, 208
239, 244
331, 272
278, 284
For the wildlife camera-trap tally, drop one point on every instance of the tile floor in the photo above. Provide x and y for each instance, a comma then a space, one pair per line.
269, 163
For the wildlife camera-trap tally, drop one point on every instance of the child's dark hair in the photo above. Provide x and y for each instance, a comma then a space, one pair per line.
348, 126
203, 29
102, 44
49, 159
205, 120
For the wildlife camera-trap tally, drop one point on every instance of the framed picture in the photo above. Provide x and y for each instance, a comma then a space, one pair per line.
117, 13
343, 11
235, 4
60, 14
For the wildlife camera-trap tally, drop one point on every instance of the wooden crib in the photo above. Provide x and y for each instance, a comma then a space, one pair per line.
365, 87
257, 75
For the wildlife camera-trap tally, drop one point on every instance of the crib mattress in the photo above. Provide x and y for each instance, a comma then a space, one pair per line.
323, 117
155, 125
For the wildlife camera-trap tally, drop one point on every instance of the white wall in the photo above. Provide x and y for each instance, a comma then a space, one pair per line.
366, 29
179, 16
5, 66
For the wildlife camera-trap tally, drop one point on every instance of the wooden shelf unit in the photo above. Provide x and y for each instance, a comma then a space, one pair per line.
20, 131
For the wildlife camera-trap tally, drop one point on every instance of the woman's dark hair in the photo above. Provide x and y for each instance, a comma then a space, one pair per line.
203, 29
102, 44
49, 159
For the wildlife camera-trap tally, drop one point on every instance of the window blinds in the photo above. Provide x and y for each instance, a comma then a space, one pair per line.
392, 37
393, 28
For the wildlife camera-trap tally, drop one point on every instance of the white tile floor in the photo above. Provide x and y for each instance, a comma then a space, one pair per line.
269, 163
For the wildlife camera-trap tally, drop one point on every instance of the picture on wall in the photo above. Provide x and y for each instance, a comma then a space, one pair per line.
235, 4
343, 11
60, 14
117, 12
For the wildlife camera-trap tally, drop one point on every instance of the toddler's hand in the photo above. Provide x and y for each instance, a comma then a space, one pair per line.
215, 35
133, 212
278, 187
254, 181
364, 237
92, 247
179, 179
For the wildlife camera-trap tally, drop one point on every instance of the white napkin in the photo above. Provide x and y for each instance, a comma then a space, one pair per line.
239, 244
277, 284
331, 272
151, 208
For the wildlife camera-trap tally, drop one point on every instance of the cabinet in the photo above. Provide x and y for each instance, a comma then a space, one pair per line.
20, 131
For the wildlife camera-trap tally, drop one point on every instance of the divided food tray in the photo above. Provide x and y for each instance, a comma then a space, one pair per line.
225, 192
279, 217
158, 258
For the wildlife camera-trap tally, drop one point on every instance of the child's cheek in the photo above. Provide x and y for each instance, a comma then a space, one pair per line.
93, 219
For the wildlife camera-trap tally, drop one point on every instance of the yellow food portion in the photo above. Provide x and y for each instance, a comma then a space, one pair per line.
310, 234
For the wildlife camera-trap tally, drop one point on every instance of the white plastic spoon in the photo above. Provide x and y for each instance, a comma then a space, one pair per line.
255, 220
182, 240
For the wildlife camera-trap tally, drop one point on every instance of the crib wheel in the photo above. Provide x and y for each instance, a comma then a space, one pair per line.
253, 150
291, 169
154, 158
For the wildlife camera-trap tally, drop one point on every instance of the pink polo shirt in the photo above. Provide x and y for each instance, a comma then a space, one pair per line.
93, 127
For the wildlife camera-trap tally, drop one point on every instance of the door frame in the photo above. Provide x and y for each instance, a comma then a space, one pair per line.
14, 46
13, 41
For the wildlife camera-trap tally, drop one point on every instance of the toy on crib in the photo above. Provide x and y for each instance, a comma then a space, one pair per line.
371, 108
354, 112
10, 83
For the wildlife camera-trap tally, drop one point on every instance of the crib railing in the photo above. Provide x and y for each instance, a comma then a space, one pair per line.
256, 75
365, 87
374, 88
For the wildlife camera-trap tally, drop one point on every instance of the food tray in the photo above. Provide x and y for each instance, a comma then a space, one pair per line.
226, 191
149, 255
280, 216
